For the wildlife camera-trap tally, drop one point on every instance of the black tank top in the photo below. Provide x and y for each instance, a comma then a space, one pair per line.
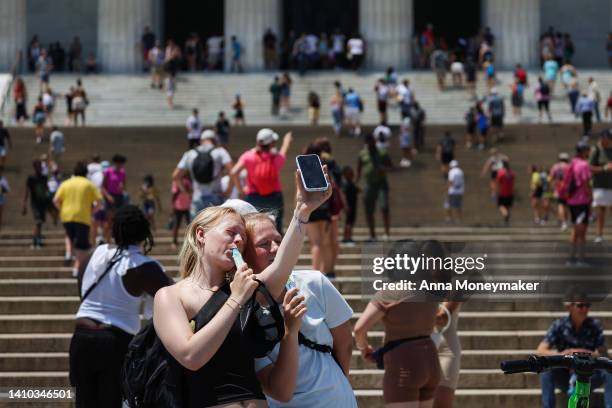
229, 376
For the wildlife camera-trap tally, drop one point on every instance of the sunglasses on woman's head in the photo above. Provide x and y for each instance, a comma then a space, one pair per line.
582, 305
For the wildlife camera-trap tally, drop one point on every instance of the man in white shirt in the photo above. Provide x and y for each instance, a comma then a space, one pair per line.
405, 96
356, 49
206, 165
194, 129
456, 189
382, 134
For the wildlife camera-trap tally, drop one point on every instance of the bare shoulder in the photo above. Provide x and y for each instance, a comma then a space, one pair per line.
188, 296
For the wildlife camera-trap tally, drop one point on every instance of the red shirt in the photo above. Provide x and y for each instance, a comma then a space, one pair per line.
251, 160
505, 183
521, 75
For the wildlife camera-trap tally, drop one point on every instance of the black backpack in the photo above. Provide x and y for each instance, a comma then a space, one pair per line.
203, 166
545, 89
151, 377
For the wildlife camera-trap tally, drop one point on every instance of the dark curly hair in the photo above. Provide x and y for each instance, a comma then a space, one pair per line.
131, 227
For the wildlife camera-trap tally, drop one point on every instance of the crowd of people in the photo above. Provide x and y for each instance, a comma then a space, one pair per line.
56, 56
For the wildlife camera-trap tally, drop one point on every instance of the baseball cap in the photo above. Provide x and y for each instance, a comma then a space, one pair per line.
208, 134
266, 136
564, 156
240, 206
453, 164
581, 146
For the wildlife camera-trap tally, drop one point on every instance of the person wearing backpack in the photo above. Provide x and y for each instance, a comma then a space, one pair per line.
496, 112
601, 167
309, 368
577, 190
205, 165
263, 164
215, 354
113, 287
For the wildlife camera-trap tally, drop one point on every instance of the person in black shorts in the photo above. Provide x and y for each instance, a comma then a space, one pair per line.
445, 152
38, 193
351, 191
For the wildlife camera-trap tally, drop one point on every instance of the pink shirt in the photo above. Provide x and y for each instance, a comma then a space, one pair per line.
114, 180
181, 200
581, 172
557, 174
250, 160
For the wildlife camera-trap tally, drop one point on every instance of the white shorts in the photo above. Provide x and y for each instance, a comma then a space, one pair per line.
353, 114
602, 197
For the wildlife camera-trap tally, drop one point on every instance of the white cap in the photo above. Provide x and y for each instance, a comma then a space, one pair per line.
208, 134
266, 136
453, 164
240, 206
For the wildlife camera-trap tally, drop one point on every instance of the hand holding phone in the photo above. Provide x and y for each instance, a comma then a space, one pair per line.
311, 172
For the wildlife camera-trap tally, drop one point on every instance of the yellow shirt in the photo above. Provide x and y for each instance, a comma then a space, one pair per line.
77, 196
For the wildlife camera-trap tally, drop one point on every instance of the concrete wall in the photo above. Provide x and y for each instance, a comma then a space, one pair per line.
61, 20
587, 21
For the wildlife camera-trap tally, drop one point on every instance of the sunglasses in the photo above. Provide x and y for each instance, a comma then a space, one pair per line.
582, 305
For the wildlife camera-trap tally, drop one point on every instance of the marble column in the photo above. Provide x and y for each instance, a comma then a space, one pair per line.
516, 26
120, 26
12, 32
386, 27
248, 21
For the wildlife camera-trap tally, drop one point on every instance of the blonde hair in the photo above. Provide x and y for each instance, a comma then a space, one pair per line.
252, 219
190, 251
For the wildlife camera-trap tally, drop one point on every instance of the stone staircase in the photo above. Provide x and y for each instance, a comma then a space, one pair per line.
38, 299
128, 100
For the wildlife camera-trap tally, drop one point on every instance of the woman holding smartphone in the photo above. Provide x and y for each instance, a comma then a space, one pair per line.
309, 368
216, 361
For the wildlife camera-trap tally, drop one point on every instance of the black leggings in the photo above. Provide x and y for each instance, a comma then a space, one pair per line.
96, 357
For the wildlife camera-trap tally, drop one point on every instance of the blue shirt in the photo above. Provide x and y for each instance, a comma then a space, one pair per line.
562, 334
352, 100
550, 70
584, 104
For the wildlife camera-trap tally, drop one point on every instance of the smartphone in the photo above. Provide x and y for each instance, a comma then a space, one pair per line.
311, 171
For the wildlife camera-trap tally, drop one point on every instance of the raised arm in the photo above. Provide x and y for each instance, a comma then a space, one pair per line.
275, 276
286, 144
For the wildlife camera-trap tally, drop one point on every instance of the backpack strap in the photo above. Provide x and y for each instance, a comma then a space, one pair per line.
211, 307
106, 271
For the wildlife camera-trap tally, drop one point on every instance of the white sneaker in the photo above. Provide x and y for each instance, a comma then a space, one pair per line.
598, 239
564, 227
405, 163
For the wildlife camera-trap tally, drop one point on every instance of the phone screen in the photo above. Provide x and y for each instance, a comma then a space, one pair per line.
312, 172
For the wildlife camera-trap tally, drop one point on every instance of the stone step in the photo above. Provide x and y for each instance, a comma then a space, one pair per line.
470, 340
60, 323
69, 304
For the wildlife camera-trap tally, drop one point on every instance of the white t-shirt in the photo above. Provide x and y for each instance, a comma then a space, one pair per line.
95, 174
194, 127
355, 46
382, 134
57, 141
405, 93
311, 43
109, 302
214, 45
320, 381
455, 176
47, 99
220, 158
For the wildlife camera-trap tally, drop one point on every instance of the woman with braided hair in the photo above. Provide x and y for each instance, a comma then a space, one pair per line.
115, 283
